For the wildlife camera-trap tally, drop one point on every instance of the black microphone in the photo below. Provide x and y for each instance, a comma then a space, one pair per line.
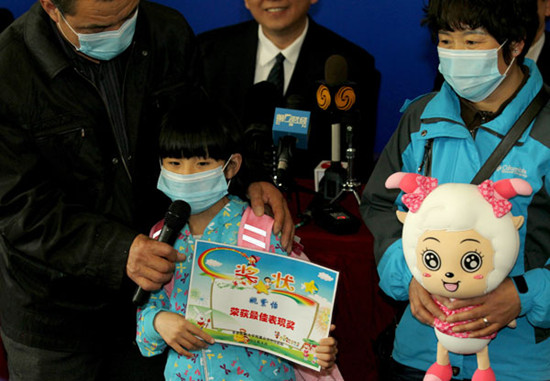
290, 131
285, 153
175, 219
334, 95
345, 115
260, 103
342, 99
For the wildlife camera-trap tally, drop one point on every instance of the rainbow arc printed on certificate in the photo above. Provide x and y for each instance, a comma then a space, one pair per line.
269, 302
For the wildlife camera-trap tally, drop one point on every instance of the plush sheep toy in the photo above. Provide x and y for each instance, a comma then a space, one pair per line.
459, 241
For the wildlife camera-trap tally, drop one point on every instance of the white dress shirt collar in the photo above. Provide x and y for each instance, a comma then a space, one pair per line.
267, 51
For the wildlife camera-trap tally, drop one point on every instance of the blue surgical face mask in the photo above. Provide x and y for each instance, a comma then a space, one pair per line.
473, 74
106, 45
200, 190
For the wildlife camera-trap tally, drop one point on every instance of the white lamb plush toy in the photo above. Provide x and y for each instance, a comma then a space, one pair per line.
459, 241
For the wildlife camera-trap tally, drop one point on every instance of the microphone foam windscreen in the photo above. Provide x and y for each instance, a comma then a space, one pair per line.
336, 70
177, 215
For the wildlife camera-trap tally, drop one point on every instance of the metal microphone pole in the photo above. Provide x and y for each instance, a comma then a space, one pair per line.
350, 184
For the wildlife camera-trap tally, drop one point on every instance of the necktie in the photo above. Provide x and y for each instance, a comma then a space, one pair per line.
277, 74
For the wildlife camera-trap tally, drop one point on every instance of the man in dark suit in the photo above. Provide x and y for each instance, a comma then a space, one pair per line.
238, 56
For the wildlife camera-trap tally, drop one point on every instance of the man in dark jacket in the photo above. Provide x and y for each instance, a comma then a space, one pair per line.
83, 84
238, 56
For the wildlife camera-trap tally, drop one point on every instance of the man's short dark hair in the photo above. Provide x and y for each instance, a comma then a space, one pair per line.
66, 7
505, 20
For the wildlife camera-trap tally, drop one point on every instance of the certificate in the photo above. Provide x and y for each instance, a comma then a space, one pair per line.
269, 302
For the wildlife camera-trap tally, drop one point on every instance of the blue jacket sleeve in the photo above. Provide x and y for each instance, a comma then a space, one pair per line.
149, 341
394, 274
535, 302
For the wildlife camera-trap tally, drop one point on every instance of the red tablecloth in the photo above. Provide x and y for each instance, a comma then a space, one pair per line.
361, 312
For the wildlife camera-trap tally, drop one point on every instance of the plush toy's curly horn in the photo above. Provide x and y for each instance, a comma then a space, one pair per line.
416, 187
509, 188
407, 182
497, 194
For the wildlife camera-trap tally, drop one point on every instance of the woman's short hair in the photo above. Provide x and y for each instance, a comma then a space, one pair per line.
505, 20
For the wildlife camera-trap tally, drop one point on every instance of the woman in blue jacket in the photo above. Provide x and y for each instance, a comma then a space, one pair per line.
449, 135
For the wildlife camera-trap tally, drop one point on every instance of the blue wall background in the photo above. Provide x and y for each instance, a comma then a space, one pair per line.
389, 30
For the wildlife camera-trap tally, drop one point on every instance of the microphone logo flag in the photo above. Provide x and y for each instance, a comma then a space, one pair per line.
345, 98
323, 97
290, 122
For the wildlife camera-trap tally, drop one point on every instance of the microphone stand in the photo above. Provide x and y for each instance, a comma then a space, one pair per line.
350, 184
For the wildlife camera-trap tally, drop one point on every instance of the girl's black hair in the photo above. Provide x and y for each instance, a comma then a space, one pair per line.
199, 126
505, 20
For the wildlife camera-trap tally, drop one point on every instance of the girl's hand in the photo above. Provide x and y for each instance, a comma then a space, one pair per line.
180, 334
326, 351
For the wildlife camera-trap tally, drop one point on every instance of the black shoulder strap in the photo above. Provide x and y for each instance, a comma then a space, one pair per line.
512, 136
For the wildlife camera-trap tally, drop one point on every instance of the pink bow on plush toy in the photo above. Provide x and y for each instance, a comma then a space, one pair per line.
425, 186
497, 194
418, 187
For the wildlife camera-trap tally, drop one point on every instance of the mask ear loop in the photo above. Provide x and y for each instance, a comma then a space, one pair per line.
70, 27
224, 167
67, 23
513, 58
501, 45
